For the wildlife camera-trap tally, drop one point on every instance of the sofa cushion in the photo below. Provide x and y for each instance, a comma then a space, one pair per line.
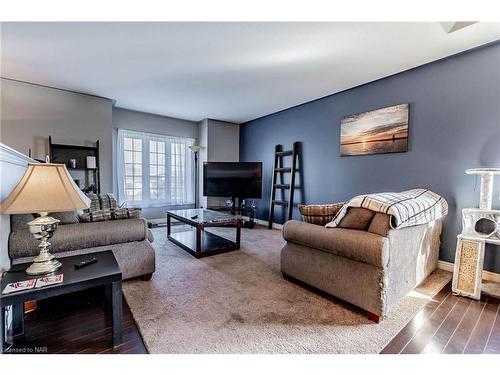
319, 214
357, 218
353, 244
380, 224
80, 236
64, 218
20, 221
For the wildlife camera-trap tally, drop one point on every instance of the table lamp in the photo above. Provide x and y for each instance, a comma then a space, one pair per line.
44, 188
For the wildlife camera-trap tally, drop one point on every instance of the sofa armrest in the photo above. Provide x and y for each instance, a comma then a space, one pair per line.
357, 245
413, 255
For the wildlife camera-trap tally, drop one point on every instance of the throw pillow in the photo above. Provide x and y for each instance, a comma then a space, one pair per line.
98, 215
108, 214
357, 218
101, 202
380, 224
126, 213
319, 214
95, 205
107, 201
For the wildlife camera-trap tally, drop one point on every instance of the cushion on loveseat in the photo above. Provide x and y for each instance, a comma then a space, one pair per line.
357, 245
79, 236
357, 218
380, 224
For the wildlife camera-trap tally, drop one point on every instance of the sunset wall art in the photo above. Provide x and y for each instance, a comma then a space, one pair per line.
380, 131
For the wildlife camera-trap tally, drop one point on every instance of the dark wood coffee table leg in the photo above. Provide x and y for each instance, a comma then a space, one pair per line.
238, 233
199, 229
169, 223
116, 302
18, 320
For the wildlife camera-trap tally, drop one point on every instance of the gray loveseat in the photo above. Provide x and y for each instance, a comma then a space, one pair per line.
129, 239
372, 269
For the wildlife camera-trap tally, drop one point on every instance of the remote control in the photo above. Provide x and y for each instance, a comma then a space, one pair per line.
84, 263
194, 217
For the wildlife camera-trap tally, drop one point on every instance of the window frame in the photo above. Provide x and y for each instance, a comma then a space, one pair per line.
149, 148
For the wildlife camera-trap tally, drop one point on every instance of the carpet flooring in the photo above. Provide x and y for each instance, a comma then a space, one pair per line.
238, 302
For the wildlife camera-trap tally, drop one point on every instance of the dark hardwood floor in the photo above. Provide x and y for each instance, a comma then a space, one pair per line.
77, 323
453, 325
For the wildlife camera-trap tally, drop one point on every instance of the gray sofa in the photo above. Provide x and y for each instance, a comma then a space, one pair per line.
129, 239
372, 269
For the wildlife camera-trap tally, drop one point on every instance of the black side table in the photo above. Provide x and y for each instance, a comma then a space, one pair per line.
105, 272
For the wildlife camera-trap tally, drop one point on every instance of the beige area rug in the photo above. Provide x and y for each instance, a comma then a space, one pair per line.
238, 303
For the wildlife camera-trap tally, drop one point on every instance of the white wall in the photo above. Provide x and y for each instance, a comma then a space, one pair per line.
12, 167
150, 123
30, 113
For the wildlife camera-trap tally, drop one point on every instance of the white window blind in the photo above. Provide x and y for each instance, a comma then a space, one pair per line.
154, 170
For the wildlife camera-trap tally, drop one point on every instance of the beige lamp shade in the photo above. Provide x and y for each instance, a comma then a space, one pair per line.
45, 188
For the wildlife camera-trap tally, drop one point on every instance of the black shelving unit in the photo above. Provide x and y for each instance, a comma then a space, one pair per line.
88, 177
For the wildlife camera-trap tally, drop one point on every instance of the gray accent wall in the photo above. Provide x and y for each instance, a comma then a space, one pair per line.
30, 113
454, 125
151, 123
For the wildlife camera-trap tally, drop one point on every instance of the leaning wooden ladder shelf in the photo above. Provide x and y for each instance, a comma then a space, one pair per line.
280, 170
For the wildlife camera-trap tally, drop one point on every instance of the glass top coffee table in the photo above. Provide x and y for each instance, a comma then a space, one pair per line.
199, 242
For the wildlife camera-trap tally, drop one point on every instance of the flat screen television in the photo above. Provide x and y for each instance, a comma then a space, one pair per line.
232, 179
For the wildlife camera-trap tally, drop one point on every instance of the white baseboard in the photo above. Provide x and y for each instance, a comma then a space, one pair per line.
487, 275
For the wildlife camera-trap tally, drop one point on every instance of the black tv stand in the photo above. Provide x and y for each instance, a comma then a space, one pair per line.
239, 210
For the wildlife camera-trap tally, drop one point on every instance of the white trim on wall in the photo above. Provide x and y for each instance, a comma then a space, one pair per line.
11, 156
12, 167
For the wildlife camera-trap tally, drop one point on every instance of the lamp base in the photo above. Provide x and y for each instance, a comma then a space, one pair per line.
44, 267
42, 228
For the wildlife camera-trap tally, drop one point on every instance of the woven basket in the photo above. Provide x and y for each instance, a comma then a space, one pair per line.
319, 214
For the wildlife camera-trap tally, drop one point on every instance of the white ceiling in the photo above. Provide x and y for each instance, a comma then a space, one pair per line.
227, 71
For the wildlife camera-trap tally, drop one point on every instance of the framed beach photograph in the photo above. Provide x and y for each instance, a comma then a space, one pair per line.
381, 131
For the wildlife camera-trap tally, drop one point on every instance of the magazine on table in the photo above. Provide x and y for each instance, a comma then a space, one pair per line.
19, 286
48, 280
33, 283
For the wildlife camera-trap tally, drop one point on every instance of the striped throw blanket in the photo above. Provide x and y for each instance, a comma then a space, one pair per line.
411, 207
